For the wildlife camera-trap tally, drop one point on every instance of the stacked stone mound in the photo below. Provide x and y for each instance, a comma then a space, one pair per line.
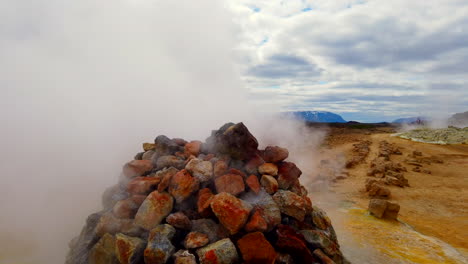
222, 201
360, 152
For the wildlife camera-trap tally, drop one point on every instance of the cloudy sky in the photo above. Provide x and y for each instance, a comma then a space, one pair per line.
366, 60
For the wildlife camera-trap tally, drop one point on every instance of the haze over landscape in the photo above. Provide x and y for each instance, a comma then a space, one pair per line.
84, 83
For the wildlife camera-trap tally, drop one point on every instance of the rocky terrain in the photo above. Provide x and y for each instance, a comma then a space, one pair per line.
395, 200
450, 135
219, 201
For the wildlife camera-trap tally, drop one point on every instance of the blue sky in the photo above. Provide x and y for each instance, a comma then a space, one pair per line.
366, 60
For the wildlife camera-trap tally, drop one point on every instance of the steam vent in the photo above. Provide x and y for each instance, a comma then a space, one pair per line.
219, 202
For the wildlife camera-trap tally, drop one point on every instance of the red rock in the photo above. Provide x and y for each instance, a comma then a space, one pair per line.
108, 223
129, 249
294, 244
323, 258
275, 154
220, 168
193, 147
256, 223
252, 165
230, 183
183, 185
231, 212
252, 182
255, 248
220, 252
203, 203
238, 172
269, 184
154, 209
179, 220
288, 175
291, 204
137, 168
165, 176
142, 185
268, 168
127, 208
195, 240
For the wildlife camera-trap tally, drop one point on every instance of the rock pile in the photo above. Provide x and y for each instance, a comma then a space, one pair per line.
360, 152
222, 201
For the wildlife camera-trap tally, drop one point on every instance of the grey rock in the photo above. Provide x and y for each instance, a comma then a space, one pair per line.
203, 170
224, 250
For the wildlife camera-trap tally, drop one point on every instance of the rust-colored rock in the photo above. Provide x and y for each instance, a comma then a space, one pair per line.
165, 175
179, 220
108, 223
129, 250
203, 203
220, 252
256, 223
230, 183
252, 165
238, 172
195, 240
220, 168
127, 208
269, 183
253, 183
104, 251
142, 185
255, 248
159, 248
294, 244
291, 204
288, 175
183, 185
193, 147
137, 168
268, 168
275, 154
154, 209
231, 212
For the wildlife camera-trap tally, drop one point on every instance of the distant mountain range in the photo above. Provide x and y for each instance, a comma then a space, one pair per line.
316, 116
459, 119
411, 120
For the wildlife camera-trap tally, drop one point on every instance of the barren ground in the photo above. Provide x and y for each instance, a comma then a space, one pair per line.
434, 206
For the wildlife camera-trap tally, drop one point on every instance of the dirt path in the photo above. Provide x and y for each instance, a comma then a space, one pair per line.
435, 205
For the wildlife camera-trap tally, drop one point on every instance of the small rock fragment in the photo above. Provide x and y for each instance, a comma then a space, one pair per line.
193, 147
275, 154
129, 250
159, 248
104, 251
154, 209
127, 208
230, 183
169, 161
231, 211
220, 252
184, 257
195, 240
200, 169
142, 185
290, 204
203, 203
255, 248
256, 223
137, 168
269, 183
253, 183
268, 168
182, 185
179, 220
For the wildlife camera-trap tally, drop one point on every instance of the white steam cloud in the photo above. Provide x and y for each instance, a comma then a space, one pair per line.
83, 83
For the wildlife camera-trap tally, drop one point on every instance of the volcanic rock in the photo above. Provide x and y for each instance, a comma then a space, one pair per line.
268, 168
169, 161
164, 146
154, 209
129, 250
148, 146
252, 182
220, 252
256, 222
288, 175
148, 155
165, 175
104, 251
234, 140
269, 183
383, 209
112, 195
291, 204
159, 248
184, 257
252, 165
127, 208
137, 168
142, 185
266, 206
214, 231
182, 185
179, 220
231, 212
230, 183
195, 240
202, 170
255, 248
204, 200
275, 154
293, 243
193, 147
108, 223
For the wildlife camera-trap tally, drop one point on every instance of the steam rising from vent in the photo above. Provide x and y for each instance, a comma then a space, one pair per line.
82, 83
